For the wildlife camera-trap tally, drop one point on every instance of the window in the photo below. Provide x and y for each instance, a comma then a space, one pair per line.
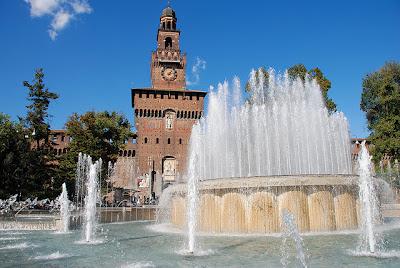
145, 140
169, 25
169, 119
62, 138
169, 141
168, 42
125, 152
120, 152
157, 140
180, 141
133, 153
129, 153
133, 140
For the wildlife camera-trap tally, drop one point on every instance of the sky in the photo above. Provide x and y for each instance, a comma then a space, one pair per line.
93, 52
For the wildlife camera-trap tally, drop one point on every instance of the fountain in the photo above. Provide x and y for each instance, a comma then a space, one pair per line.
64, 209
92, 197
290, 232
369, 238
87, 187
251, 160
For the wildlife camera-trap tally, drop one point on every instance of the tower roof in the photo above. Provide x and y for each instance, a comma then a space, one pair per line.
168, 12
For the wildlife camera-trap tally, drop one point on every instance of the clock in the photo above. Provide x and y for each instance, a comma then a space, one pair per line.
168, 74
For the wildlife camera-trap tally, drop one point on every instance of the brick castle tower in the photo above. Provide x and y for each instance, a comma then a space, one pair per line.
166, 112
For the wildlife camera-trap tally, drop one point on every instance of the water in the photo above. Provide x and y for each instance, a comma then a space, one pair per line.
92, 198
369, 238
64, 209
290, 232
192, 194
285, 129
133, 244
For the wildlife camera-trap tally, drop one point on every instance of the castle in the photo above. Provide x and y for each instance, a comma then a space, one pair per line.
164, 115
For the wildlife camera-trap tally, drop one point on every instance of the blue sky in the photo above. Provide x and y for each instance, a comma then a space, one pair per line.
102, 48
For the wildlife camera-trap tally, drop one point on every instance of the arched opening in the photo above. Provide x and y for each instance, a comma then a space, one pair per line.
157, 140
169, 141
125, 152
129, 153
192, 114
169, 25
168, 42
59, 151
140, 112
163, 25
152, 113
180, 141
174, 25
197, 115
185, 116
145, 140
133, 153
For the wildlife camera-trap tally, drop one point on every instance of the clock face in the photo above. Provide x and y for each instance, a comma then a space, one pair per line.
169, 74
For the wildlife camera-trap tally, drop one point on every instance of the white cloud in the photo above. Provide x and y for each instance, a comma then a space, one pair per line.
198, 67
81, 7
61, 11
42, 7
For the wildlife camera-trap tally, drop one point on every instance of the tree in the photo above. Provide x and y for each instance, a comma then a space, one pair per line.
37, 118
98, 134
299, 70
13, 157
380, 100
41, 159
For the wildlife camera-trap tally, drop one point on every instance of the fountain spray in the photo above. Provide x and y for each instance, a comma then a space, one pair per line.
64, 209
192, 191
369, 241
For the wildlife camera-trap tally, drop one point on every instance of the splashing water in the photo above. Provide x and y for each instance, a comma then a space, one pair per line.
265, 135
91, 199
284, 129
64, 209
369, 239
192, 194
290, 232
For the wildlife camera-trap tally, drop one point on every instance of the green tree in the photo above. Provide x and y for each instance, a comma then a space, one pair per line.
380, 100
98, 134
42, 166
37, 118
299, 70
13, 157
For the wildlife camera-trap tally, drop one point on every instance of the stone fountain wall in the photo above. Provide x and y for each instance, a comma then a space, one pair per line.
254, 205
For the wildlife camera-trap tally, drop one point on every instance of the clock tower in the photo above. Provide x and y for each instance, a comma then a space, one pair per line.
167, 62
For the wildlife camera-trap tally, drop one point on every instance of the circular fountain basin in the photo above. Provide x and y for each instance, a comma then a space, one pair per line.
319, 203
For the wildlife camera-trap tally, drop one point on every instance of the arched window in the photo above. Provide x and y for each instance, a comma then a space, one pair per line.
163, 25
192, 114
197, 115
173, 25
140, 112
169, 25
125, 152
145, 140
129, 153
185, 116
133, 153
169, 141
152, 113
59, 151
180, 141
168, 42
157, 140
